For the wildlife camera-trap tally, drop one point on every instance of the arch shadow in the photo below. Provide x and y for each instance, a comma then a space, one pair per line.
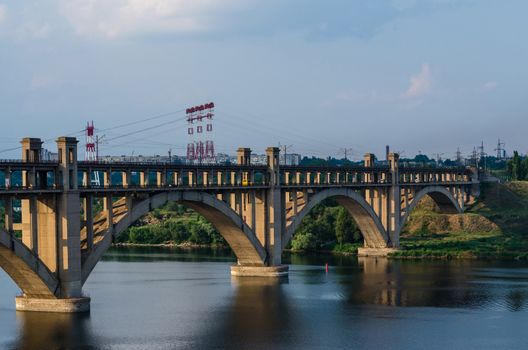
368, 222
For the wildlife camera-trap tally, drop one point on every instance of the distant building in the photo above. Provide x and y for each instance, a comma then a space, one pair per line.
291, 159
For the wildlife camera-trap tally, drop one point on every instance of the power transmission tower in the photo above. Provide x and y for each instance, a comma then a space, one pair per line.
474, 157
285, 151
459, 156
346, 152
438, 158
482, 155
501, 152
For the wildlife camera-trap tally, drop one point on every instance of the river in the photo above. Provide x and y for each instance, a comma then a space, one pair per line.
155, 298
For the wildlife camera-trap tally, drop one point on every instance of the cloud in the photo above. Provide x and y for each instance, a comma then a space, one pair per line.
34, 30
43, 81
3, 13
119, 18
490, 85
421, 83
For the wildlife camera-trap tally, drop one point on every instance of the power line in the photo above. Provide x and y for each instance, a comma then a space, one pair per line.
143, 120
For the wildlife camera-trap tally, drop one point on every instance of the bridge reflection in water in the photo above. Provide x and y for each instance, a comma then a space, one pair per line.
309, 307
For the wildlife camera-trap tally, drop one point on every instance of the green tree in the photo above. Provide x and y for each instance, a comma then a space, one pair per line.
346, 230
515, 167
304, 241
343, 225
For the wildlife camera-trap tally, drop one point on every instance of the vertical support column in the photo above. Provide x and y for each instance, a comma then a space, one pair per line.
191, 178
143, 178
161, 178
7, 178
8, 218
176, 178
261, 214
31, 152
367, 176
126, 177
395, 201
88, 219
274, 204
69, 243
251, 210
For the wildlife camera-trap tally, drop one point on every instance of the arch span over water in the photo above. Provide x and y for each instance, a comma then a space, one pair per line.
368, 222
242, 240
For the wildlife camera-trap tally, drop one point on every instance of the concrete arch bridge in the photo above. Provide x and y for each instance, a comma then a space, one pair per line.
52, 246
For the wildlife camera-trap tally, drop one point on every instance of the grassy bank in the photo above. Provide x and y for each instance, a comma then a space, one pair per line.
495, 227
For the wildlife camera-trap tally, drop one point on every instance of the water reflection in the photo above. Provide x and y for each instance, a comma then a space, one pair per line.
187, 299
40, 330
433, 284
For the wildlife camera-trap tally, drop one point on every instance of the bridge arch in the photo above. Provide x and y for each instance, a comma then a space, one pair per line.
242, 240
368, 222
442, 198
26, 270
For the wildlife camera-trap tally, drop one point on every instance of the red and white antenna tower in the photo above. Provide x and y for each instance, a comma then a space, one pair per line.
198, 149
91, 151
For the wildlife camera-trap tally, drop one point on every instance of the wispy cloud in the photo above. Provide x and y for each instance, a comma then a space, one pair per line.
34, 30
421, 83
3, 13
119, 18
490, 85
43, 81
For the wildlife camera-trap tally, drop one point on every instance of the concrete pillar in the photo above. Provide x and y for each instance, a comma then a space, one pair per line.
29, 223
191, 179
88, 218
395, 201
143, 178
86, 179
7, 178
47, 238
8, 218
261, 213
59, 238
126, 177
161, 178
275, 210
369, 159
69, 252
31, 152
295, 203
244, 156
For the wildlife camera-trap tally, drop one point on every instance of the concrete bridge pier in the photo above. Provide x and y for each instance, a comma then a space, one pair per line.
273, 214
389, 211
51, 231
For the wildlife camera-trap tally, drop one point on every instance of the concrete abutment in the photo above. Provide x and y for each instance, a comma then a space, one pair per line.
260, 271
69, 305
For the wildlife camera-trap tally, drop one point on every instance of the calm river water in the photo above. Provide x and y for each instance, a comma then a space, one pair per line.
172, 299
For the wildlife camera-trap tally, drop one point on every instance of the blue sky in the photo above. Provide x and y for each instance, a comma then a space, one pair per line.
428, 75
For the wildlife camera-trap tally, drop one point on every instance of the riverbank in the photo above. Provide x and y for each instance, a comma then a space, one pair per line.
495, 227
184, 245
